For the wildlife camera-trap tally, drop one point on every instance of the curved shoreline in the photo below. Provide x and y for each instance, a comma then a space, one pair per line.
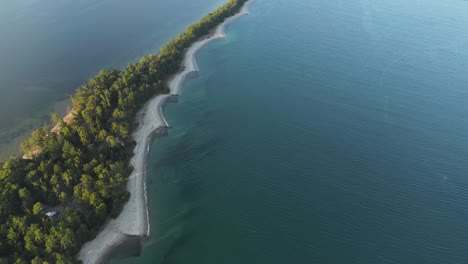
134, 218
190, 63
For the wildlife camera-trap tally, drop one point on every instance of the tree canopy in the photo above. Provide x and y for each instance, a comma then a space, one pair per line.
80, 170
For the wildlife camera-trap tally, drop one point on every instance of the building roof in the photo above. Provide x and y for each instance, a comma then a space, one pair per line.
51, 213
119, 141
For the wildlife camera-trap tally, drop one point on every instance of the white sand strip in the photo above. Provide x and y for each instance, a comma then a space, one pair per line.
190, 63
134, 218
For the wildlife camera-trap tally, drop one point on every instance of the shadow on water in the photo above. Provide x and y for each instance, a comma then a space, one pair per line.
130, 247
191, 189
169, 246
180, 158
175, 247
186, 150
160, 132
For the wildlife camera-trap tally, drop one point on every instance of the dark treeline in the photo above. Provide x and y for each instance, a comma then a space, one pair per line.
80, 169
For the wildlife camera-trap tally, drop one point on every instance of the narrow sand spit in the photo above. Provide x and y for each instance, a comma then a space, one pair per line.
133, 220
190, 62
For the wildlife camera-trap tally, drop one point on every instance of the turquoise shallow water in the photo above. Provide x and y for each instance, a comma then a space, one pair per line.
50, 48
319, 132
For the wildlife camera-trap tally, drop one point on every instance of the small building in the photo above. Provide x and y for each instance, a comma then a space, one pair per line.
51, 213
119, 141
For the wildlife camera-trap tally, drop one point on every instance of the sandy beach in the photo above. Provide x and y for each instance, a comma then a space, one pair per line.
134, 218
190, 62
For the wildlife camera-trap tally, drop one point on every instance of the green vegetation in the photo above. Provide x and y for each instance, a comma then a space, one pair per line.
81, 170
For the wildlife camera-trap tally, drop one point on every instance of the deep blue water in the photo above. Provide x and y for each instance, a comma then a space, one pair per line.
319, 132
49, 48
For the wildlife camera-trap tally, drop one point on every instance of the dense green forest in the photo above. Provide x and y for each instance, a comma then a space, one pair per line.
81, 170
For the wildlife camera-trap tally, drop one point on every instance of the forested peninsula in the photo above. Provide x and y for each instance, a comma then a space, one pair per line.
73, 177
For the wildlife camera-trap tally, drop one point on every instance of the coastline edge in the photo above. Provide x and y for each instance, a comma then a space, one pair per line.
134, 218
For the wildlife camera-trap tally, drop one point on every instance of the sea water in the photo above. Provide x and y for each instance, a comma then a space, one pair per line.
49, 48
328, 131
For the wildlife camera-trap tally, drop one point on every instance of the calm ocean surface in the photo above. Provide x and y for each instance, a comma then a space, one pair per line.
49, 48
328, 131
